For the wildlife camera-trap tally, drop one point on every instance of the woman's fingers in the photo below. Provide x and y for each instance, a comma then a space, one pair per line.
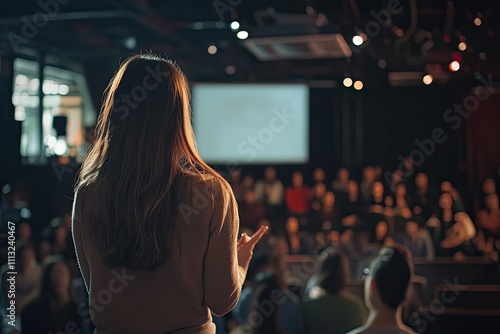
258, 235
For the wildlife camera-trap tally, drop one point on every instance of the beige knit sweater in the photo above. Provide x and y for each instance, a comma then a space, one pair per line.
201, 276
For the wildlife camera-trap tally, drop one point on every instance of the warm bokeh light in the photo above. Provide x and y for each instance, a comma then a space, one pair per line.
357, 40
427, 79
242, 34
347, 82
462, 46
477, 21
212, 49
358, 85
235, 25
454, 66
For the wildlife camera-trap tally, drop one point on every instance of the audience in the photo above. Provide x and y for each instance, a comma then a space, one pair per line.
329, 308
298, 196
386, 289
50, 308
270, 192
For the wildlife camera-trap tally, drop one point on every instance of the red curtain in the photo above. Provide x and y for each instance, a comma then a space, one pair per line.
483, 144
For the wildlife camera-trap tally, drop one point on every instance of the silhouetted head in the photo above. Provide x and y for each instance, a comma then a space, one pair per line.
333, 270
421, 180
270, 174
343, 175
388, 279
369, 175
297, 180
489, 186
292, 225
445, 201
318, 175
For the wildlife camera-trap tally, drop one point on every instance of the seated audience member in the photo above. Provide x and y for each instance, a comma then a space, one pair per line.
286, 305
488, 219
27, 270
297, 243
418, 241
329, 308
386, 289
270, 191
247, 183
50, 309
352, 210
250, 211
423, 198
393, 179
318, 176
450, 232
365, 187
401, 202
458, 204
340, 185
318, 191
376, 208
382, 234
297, 196
489, 187
328, 216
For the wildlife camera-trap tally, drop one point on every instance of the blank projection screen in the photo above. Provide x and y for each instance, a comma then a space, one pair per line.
252, 123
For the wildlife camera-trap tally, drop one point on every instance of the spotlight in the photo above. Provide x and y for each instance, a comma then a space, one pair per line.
357, 40
242, 34
212, 49
454, 66
347, 82
462, 46
235, 25
358, 85
427, 79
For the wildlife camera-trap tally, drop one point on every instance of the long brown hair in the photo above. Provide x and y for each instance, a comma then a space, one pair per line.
144, 144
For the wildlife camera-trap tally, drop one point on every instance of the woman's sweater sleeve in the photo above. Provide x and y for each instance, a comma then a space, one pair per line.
222, 276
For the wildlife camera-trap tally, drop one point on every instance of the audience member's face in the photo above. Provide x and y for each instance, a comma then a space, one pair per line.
60, 234
369, 175
270, 174
24, 231
381, 230
297, 179
343, 175
249, 197
489, 186
400, 190
421, 180
319, 175
292, 225
492, 202
445, 201
378, 189
334, 237
235, 176
329, 199
353, 189
446, 186
319, 190
247, 181
412, 230
396, 176
60, 277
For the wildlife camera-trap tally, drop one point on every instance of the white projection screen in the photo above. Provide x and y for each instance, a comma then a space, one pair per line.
252, 123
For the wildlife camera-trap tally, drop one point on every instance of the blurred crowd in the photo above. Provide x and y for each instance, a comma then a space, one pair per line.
381, 209
340, 223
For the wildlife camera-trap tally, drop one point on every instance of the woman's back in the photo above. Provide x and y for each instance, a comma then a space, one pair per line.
200, 275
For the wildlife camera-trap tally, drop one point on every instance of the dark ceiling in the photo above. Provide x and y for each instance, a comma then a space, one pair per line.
423, 36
